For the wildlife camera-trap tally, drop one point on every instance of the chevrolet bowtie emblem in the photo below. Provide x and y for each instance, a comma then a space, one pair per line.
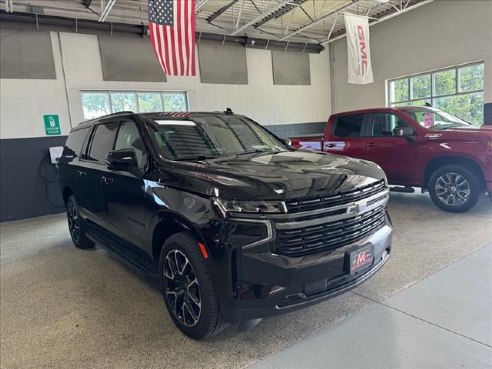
357, 207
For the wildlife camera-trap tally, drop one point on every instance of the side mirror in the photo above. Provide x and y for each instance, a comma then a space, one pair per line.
124, 159
287, 141
407, 132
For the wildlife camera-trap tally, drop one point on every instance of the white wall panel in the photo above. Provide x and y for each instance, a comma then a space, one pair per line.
259, 99
81, 57
24, 102
437, 35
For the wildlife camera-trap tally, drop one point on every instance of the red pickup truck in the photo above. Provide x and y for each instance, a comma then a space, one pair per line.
416, 147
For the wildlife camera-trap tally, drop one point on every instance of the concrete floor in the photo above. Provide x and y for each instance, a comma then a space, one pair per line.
67, 308
443, 321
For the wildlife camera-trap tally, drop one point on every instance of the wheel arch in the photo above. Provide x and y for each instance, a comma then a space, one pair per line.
164, 225
441, 161
67, 192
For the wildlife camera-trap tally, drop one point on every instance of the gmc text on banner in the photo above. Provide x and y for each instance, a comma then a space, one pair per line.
359, 53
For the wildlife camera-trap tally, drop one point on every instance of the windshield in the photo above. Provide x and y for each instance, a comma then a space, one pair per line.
209, 136
435, 119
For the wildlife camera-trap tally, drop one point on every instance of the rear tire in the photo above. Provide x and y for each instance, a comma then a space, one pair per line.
455, 188
76, 226
187, 288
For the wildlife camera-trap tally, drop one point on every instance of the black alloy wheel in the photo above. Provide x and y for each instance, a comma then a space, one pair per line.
182, 288
187, 287
455, 188
76, 226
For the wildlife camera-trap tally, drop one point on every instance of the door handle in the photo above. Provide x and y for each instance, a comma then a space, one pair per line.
81, 173
371, 144
106, 180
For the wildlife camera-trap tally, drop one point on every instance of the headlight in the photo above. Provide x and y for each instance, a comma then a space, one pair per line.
232, 206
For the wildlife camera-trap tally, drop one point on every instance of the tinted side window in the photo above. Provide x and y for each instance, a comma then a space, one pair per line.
384, 124
129, 138
74, 142
102, 141
349, 125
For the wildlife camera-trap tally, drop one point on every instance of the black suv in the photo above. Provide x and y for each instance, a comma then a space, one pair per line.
236, 223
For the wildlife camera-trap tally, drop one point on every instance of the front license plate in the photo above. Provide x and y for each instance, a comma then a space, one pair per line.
361, 259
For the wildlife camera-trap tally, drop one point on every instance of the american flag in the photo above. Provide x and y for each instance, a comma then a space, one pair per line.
172, 26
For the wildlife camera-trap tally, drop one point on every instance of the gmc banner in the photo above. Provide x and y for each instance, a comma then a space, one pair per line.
359, 54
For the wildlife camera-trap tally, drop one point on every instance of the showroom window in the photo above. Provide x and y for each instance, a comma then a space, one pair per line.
457, 90
99, 103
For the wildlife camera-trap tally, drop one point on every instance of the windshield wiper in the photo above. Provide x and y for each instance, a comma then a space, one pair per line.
199, 157
256, 152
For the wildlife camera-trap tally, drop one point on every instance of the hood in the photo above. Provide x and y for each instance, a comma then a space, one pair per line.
473, 133
279, 176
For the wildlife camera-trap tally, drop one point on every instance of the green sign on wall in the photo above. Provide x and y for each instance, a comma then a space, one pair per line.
52, 125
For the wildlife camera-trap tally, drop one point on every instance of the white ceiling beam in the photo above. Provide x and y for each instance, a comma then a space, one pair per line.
383, 19
107, 9
260, 17
200, 4
312, 24
9, 6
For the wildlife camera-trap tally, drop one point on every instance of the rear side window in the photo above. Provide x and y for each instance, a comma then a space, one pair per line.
349, 125
102, 141
74, 142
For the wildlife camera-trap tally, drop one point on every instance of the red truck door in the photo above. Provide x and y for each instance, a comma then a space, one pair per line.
388, 142
345, 135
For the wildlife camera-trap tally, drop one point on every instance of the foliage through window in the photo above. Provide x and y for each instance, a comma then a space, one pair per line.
98, 103
458, 90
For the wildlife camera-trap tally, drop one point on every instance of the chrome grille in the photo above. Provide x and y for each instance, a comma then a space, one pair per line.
319, 202
328, 236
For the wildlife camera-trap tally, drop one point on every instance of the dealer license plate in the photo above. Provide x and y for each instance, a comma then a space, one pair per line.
360, 259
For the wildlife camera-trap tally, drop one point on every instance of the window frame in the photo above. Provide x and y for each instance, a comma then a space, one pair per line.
433, 96
161, 93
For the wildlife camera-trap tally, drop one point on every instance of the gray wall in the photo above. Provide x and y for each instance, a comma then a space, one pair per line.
23, 191
290, 68
26, 55
222, 63
129, 59
436, 35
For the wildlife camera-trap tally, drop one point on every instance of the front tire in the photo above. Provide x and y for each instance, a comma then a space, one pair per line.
76, 226
455, 188
187, 288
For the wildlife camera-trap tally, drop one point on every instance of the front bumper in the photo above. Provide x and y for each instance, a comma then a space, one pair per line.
271, 284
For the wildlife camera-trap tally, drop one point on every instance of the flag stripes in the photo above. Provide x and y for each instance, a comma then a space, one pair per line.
173, 36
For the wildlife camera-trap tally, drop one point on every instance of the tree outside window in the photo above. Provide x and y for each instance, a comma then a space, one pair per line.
98, 103
457, 90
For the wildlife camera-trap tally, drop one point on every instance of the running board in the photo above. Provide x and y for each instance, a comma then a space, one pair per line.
124, 253
402, 189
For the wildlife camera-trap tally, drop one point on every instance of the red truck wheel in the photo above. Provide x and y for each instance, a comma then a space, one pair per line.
455, 188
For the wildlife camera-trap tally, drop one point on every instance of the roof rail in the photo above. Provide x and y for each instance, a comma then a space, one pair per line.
118, 113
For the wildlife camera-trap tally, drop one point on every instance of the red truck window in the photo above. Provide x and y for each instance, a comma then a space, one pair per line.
349, 125
386, 124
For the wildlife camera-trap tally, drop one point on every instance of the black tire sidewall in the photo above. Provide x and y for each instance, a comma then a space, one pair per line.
473, 181
207, 321
83, 242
